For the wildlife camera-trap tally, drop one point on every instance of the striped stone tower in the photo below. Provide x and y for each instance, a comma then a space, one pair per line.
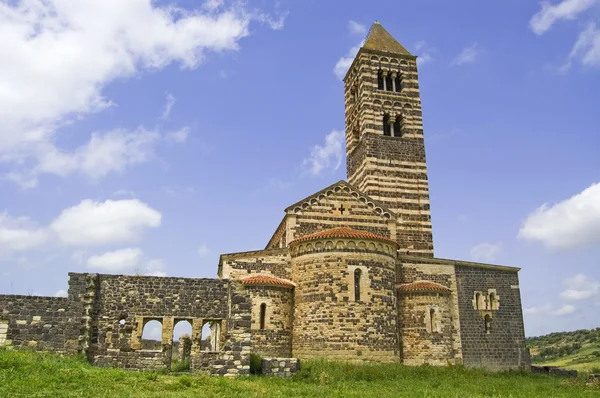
384, 136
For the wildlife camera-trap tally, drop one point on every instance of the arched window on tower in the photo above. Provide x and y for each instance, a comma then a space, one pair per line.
432, 320
477, 301
357, 275
398, 126
388, 82
398, 82
488, 323
380, 80
263, 315
492, 301
387, 129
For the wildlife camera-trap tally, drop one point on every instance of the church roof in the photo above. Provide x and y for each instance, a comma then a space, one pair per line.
267, 280
423, 286
342, 232
379, 39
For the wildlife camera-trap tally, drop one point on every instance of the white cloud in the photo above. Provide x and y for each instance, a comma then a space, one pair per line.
485, 251
116, 261
580, 287
111, 221
549, 310
357, 28
328, 156
169, 103
156, 267
341, 67
61, 293
178, 136
19, 234
57, 57
467, 55
212, 5
550, 13
203, 250
586, 48
571, 224
564, 310
423, 52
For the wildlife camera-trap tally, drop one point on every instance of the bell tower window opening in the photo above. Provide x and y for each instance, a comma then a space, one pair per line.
380, 80
357, 276
263, 315
398, 82
398, 127
477, 300
389, 85
387, 128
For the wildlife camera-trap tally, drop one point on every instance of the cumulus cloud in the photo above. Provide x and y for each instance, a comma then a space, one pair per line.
485, 251
203, 250
169, 103
549, 310
19, 234
423, 52
116, 261
586, 49
328, 156
568, 225
111, 221
61, 293
57, 56
467, 55
551, 13
343, 64
580, 287
357, 28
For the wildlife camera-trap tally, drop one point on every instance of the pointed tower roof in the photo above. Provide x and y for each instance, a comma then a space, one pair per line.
379, 39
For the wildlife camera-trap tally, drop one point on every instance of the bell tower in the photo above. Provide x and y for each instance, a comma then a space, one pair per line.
385, 149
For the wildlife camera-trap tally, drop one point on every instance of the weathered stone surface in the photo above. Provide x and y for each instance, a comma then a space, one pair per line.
280, 367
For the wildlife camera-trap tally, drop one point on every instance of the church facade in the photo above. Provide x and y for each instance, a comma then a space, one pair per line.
350, 271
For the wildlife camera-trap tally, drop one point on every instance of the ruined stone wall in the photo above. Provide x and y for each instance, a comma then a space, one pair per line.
502, 345
275, 339
328, 321
426, 328
390, 169
34, 322
339, 206
280, 367
447, 345
120, 307
238, 265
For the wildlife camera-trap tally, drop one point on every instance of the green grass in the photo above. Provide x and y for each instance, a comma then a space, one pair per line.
29, 374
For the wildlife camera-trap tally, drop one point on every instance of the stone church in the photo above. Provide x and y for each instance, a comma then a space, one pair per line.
349, 273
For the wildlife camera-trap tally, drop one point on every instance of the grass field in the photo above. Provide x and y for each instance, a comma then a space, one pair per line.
29, 374
579, 350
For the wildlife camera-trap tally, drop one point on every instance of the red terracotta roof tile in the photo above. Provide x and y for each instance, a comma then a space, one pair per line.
269, 280
342, 232
422, 286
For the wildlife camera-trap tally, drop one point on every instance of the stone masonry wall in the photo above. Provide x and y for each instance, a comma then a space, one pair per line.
240, 265
503, 345
33, 321
275, 340
413, 269
118, 307
280, 367
328, 321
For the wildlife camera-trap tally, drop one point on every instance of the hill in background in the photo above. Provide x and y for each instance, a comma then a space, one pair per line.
579, 350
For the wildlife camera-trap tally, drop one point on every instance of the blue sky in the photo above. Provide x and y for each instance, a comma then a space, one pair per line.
153, 136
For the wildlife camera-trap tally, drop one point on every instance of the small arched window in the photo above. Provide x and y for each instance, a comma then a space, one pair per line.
488, 323
477, 298
432, 319
380, 80
398, 127
263, 315
357, 275
388, 82
492, 301
398, 82
387, 129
